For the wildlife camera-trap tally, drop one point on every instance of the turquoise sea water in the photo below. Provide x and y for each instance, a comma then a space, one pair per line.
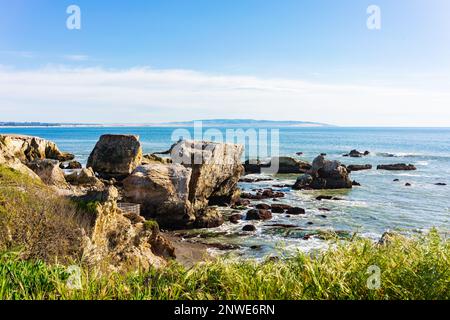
380, 204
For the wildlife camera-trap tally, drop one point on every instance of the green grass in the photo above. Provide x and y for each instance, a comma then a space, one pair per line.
410, 269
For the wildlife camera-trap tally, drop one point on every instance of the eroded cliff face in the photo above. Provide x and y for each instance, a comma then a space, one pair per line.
16, 151
120, 242
27, 148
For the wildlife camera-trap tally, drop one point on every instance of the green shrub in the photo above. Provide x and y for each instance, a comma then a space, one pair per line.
410, 269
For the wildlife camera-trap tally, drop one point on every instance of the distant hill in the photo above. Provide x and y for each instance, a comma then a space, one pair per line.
206, 123
249, 123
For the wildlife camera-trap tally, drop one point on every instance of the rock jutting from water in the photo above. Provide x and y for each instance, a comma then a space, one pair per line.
358, 167
277, 165
324, 174
397, 167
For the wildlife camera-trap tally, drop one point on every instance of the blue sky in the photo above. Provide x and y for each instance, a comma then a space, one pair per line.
178, 60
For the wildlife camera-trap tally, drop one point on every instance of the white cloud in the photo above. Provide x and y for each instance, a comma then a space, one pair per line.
76, 57
143, 95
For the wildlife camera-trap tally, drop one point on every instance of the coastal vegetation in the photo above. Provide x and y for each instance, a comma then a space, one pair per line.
410, 269
51, 223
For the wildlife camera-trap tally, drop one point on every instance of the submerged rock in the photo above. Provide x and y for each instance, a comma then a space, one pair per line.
115, 156
397, 167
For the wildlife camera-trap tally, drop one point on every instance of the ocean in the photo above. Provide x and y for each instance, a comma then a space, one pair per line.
377, 206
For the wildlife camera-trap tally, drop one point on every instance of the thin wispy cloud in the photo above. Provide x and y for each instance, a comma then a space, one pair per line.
141, 95
76, 57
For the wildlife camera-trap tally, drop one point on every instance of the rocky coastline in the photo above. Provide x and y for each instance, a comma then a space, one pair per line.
182, 191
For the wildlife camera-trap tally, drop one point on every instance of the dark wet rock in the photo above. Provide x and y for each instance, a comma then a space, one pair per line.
282, 186
323, 216
321, 197
299, 153
324, 174
407, 184
72, 165
249, 228
263, 206
279, 208
241, 203
396, 180
296, 211
324, 209
440, 184
223, 246
234, 218
307, 237
258, 214
264, 194
309, 223
277, 165
323, 154
305, 180
356, 154
256, 247
282, 225
358, 167
253, 180
356, 183
397, 167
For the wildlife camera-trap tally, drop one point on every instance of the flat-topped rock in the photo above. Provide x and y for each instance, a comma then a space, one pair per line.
115, 156
359, 167
397, 167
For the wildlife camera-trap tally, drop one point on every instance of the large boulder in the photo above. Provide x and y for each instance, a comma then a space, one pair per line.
49, 172
115, 156
397, 167
178, 194
325, 174
277, 165
216, 169
163, 192
27, 148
